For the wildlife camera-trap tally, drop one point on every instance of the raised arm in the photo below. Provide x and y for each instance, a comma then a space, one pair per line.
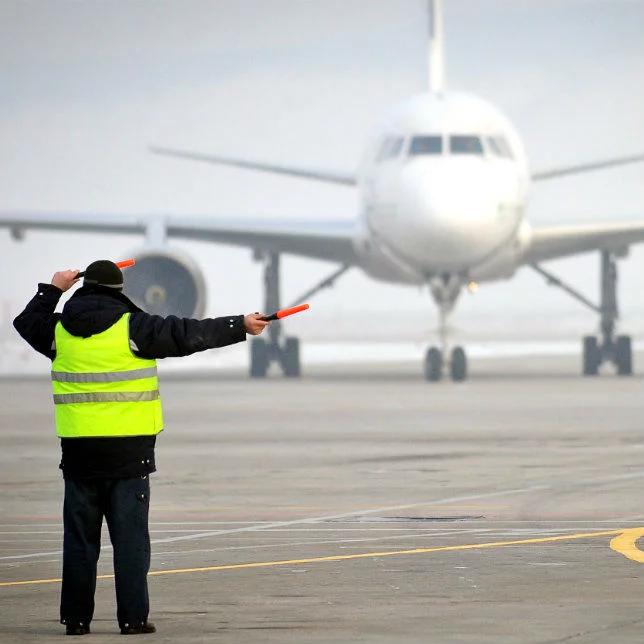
37, 322
154, 336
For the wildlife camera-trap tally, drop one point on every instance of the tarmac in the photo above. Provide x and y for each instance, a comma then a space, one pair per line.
359, 504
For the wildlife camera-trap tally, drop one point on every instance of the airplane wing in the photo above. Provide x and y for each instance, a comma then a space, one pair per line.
18, 222
340, 178
554, 173
562, 241
343, 178
332, 241
327, 240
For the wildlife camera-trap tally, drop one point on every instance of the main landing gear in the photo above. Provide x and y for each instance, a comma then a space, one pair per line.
607, 347
275, 349
263, 352
445, 359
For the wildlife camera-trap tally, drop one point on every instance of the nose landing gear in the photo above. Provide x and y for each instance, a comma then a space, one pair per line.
433, 364
456, 362
445, 291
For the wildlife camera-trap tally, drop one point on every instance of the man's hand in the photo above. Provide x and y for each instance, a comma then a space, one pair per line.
64, 280
254, 324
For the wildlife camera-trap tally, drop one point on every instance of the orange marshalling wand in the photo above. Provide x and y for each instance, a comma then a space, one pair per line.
286, 312
126, 263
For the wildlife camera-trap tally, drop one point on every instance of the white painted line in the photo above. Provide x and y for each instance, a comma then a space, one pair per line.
421, 527
355, 513
529, 521
205, 522
281, 524
23, 540
34, 532
632, 519
60, 525
31, 525
311, 543
637, 518
33, 554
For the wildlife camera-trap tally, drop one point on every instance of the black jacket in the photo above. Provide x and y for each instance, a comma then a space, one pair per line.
91, 310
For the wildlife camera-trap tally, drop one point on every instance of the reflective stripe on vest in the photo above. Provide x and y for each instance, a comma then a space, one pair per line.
119, 396
101, 388
105, 376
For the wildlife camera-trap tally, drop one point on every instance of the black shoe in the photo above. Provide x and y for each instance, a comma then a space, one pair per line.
77, 628
138, 629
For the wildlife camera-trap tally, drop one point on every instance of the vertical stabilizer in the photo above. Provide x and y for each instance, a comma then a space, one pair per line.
435, 48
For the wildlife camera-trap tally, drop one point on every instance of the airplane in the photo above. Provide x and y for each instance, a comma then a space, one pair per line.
443, 188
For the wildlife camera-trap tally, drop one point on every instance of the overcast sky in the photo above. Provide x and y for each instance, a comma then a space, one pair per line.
87, 86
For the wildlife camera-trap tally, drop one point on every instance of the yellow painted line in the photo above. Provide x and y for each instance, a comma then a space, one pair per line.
626, 544
30, 581
363, 555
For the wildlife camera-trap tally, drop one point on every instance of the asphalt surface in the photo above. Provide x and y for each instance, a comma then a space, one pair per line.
359, 505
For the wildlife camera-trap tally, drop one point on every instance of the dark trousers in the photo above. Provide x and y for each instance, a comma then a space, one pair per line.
125, 504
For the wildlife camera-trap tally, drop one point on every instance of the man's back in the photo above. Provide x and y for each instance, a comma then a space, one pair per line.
93, 310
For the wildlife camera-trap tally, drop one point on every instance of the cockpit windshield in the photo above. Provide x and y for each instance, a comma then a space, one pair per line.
390, 148
456, 144
499, 147
465, 144
426, 145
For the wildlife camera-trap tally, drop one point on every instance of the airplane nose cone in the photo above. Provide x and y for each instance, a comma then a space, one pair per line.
449, 222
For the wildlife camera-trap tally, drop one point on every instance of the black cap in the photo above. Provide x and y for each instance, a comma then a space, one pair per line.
104, 273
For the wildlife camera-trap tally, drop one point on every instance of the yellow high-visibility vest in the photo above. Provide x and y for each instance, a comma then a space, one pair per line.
101, 388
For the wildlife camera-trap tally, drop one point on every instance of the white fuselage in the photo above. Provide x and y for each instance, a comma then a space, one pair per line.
443, 189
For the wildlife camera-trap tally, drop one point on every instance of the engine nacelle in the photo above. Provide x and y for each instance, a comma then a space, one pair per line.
166, 282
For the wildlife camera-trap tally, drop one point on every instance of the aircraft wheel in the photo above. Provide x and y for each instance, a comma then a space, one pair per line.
433, 364
624, 355
258, 358
291, 358
458, 365
592, 356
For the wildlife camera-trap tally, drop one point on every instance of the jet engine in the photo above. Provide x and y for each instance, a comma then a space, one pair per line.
166, 282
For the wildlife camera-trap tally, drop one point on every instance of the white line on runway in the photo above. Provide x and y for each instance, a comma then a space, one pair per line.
344, 515
313, 543
281, 524
32, 554
33, 532
487, 532
60, 525
635, 518
23, 540
632, 518
455, 499
425, 529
